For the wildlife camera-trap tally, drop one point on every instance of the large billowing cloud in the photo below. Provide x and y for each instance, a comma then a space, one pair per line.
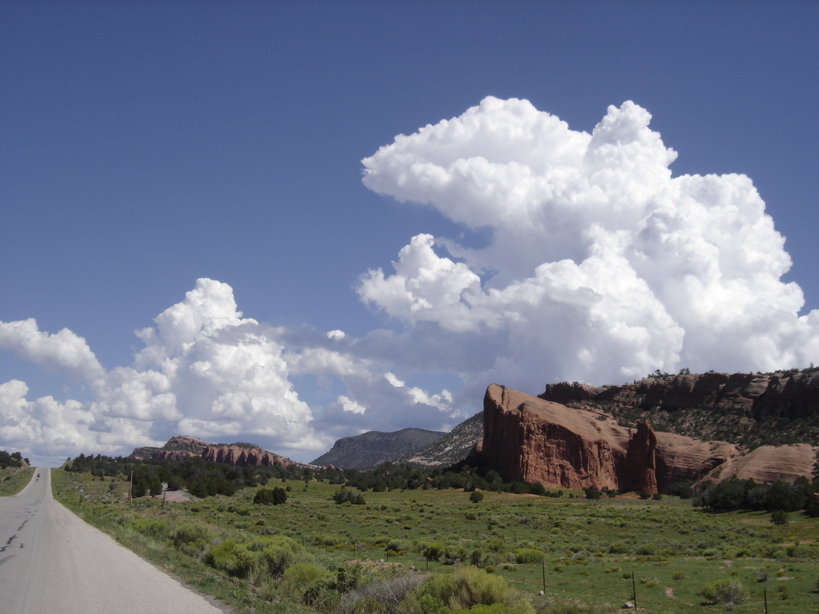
601, 266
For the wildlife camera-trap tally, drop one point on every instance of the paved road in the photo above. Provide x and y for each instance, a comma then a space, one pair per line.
51, 562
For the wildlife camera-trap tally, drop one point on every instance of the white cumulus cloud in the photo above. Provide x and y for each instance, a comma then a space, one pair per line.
204, 371
63, 351
351, 406
601, 265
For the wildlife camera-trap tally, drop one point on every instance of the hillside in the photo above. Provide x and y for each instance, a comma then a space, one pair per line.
452, 448
374, 447
747, 409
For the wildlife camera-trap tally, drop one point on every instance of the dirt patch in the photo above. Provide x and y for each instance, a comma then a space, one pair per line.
380, 564
176, 496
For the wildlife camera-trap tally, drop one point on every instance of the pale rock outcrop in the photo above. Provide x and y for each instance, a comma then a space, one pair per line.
767, 464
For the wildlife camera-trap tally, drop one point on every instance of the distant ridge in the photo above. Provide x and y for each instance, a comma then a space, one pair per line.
748, 409
452, 448
374, 447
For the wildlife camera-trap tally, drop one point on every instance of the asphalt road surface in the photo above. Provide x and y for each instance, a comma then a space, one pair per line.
51, 562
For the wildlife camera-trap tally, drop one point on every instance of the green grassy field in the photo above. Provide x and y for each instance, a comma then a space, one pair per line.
13, 479
581, 553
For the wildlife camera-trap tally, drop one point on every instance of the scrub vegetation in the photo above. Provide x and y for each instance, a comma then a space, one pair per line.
427, 550
15, 472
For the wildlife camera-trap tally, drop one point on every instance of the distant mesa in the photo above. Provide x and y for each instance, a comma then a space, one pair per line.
240, 454
374, 447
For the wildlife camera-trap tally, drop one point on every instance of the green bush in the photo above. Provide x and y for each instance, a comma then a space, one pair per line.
463, 589
592, 492
348, 495
233, 558
724, 591
270, 555
302, 575
382, 595
270, 496
191, 538
683, 490
618, 548
152, 527
528, 555
278, 552
779, 517
476, 496
433, 551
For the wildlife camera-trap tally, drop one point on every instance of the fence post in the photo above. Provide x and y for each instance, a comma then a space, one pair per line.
543, 572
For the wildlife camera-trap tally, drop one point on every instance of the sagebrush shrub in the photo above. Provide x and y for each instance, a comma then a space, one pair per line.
463, 589
528, 555
191, 538
152, 527
725, 591
233, 558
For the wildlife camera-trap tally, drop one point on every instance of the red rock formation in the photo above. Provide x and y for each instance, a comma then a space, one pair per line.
767, 464
639, 471
533, 440
683, 459
180, 448
242, 455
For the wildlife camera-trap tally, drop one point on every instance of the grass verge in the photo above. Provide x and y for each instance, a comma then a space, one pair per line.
14, 479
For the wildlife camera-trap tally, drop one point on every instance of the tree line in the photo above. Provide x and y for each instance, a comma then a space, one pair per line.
200, 477
13, 459
737, 494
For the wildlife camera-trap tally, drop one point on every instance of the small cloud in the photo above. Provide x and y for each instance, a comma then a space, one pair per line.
350, 406
393, 380
336, 335
63, 351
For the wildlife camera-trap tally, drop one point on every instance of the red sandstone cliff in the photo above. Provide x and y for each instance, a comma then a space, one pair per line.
242, 455
534, 440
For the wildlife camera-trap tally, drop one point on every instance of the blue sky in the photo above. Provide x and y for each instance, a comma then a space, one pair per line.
148, 145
